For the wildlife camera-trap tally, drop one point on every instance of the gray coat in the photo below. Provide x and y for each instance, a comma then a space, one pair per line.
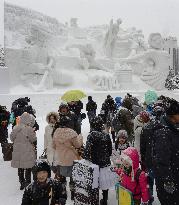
23, 136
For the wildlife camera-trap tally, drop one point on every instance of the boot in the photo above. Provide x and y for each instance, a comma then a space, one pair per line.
72, 195
22, 185
104, 201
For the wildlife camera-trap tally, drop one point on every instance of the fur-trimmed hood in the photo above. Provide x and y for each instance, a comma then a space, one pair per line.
55, 114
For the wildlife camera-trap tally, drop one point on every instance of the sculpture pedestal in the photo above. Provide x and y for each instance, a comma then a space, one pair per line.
4, 80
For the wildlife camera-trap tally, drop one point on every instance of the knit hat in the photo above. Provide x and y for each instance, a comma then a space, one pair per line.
122, 134
131, 156
173, 108
43, 166
144, 116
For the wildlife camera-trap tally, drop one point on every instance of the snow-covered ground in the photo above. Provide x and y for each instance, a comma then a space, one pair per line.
43, 103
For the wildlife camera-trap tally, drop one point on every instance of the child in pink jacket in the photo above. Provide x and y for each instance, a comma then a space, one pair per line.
128, 176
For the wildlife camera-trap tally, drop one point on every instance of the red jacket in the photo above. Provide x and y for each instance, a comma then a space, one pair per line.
140, 190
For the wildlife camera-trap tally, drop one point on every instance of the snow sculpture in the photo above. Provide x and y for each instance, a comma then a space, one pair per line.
154, 61
73, 22
87, 56
104, 81
39, 70
111, 37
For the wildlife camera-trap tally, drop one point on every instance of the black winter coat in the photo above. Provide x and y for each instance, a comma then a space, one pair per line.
53, 191
76, 108
91, 106
73, 124
166, 155
147, 143
98, 148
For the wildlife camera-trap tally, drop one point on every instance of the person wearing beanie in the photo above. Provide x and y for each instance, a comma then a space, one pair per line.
44, 190
132, 178
121, 144
139, 122
166, 156
91, 108
98, 150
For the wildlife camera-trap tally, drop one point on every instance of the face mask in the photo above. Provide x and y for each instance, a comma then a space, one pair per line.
127, 170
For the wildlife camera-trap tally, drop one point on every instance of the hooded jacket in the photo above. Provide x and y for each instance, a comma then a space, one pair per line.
140, 190
98, 148
48, 137
23, 137
65, 140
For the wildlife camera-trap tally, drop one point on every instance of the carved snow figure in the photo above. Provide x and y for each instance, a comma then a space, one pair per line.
155, 62
39, 70
87, 57
111, 37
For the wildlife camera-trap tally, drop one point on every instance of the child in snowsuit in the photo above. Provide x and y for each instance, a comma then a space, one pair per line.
44, 190
132, 178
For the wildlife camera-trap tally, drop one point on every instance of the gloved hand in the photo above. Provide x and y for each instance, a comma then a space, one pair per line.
169, 187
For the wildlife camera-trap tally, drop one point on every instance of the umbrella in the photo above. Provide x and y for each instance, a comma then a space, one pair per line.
150, 97
73, 95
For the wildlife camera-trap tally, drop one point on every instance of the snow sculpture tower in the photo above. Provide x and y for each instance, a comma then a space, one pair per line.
4, 74
171, 46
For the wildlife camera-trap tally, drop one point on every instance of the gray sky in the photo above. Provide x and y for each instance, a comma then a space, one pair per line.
1, 23
148, 15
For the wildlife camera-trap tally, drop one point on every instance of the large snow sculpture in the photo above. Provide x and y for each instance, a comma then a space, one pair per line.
154, 61
39, 69
111, 37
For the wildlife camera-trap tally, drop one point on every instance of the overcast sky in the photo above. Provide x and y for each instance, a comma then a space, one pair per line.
149, 15
1, 23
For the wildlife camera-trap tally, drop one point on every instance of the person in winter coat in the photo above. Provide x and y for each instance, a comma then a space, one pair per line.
76, 107
91, 108
65, 142
44, 190
120, 145
123, 119
139, 122
51, 119
147, 145
128, 176
4, 121
166, 156
98, 150
118, 102
64, 111
107, 113
23, 156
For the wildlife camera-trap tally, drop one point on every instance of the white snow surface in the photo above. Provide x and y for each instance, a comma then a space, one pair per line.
44, 103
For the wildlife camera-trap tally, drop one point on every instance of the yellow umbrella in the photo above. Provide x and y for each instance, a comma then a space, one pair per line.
73, 95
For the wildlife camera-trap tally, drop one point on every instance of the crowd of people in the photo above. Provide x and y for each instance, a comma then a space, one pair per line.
138, 141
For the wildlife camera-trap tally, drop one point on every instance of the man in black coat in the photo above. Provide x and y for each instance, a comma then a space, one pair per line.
166, 156
76, 107
147, 143
91, 108
99, 149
